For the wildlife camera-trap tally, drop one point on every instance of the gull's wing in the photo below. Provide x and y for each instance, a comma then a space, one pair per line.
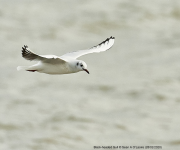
29, 55
103, 46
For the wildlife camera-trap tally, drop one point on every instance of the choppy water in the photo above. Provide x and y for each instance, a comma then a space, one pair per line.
131, 96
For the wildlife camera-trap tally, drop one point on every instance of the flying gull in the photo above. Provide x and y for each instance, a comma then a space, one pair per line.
65, 64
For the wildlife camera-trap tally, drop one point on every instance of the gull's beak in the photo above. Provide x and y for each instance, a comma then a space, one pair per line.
86, 70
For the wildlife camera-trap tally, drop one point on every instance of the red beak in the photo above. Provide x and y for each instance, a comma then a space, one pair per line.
86, 70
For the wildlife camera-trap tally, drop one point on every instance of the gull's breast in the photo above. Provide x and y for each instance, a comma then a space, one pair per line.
55, 68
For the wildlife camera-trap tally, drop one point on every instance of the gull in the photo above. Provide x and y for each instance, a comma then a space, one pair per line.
65, 64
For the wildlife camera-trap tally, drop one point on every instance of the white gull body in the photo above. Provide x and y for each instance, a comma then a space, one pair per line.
65, 64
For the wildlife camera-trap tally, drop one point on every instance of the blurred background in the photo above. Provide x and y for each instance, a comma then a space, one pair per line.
130, 98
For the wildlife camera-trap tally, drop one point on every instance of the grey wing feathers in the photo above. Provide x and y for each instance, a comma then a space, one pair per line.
29, 55
103, 46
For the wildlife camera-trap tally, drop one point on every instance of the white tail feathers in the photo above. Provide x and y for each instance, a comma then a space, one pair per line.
20, 68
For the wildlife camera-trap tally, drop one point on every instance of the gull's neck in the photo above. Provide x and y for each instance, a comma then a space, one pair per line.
73, 65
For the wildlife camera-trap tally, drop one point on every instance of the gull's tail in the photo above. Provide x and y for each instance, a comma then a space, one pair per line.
22, 68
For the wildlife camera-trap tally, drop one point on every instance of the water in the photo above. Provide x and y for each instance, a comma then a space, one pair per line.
130, 98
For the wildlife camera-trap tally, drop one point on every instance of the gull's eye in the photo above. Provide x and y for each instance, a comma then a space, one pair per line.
77, 63
81, 65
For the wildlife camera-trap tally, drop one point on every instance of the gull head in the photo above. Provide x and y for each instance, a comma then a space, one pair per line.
81, 66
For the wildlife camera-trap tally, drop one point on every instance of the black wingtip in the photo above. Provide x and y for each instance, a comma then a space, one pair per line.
24, 48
